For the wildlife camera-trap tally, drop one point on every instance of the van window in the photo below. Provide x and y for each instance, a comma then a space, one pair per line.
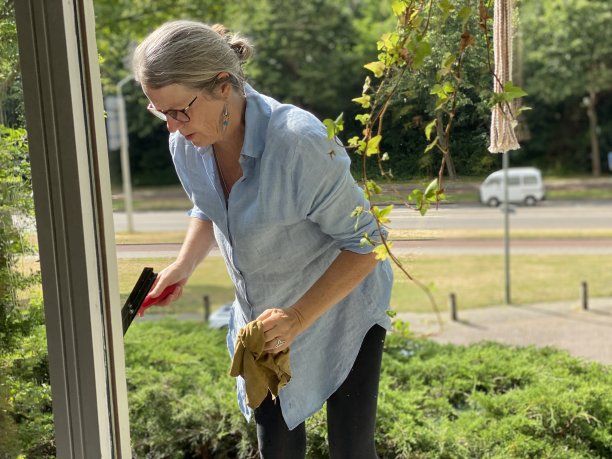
493, 181
514, 181
530, 180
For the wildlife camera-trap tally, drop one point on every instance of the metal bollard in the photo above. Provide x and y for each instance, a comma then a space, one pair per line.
584, 295
452, 305
206, 308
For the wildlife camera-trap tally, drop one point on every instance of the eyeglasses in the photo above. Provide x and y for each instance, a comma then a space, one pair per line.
178, 115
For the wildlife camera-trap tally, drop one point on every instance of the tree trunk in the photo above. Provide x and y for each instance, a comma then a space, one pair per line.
450, 166
593, 124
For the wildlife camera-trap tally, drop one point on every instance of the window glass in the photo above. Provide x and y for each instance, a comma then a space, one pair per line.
514, 181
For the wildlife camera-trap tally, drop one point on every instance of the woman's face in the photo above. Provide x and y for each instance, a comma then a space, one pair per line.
205, 125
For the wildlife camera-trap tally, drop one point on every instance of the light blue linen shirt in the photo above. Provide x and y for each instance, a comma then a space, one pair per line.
285, 222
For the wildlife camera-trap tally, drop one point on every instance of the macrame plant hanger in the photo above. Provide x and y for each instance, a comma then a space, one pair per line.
503, 138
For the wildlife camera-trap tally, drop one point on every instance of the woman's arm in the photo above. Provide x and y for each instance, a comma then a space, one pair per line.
342, 276
198, 241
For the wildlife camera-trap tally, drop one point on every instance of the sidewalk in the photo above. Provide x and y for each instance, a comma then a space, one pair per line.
564, 325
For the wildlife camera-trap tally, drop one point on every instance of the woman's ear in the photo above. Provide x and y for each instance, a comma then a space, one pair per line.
226, 89
225, 86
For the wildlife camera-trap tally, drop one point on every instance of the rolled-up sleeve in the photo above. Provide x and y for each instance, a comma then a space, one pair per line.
327, 194
197, 213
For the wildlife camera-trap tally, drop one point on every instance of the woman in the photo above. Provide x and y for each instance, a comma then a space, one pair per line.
277, 196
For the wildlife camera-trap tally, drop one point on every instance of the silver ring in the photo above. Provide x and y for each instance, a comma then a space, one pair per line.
279, 343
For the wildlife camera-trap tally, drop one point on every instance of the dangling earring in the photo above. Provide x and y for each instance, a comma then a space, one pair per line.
225, 117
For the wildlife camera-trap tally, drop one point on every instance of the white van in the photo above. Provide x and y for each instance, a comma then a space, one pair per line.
524, 185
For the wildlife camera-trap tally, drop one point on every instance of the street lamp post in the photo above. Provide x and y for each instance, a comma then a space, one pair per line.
125, 158
505, 161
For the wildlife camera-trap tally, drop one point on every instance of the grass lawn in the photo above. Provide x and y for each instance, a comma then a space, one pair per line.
176, 237
477, 281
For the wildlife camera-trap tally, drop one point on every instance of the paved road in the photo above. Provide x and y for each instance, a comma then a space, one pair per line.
561, 215
556, 215
562, 325
543, 216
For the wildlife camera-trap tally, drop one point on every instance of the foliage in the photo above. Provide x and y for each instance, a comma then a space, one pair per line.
182, 400
9, 446
24, 380
436, 401
15, 205
9, 66
302, 51
299, 53
568, 60
30, 390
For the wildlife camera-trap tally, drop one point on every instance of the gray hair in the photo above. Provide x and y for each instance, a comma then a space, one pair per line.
191, 54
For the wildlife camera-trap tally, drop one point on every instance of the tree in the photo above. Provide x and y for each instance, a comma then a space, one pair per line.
9, 68
307, 55
568, 54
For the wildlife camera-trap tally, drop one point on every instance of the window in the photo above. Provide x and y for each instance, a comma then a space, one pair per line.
72, 198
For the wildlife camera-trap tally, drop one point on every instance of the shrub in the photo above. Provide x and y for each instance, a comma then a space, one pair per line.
485, 400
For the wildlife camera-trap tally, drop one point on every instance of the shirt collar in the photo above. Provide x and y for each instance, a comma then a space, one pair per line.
257, 116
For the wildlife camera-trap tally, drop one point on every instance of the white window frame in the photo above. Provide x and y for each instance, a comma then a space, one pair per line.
72, 197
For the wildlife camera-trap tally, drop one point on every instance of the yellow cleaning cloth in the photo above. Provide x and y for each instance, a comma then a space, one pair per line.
262, 371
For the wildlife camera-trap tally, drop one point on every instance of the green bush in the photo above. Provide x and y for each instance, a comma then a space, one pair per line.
182, 400
482, 401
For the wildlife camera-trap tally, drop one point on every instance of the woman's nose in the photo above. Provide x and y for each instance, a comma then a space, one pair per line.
173, 124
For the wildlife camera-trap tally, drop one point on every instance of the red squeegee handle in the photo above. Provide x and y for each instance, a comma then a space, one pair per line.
150, 301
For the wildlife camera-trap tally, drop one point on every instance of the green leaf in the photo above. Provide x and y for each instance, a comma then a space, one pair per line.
448, 88
366, 84
522, 109
464, 14
373, 187
398, 7
429, 128
512, 92
363, 118
431, 188
381, 251
377, 67
372, 145
436, 89
383, 215
388, 41
431, 145
365, 240
446, 6
339, 122
331, 128
364, 101
421, 50
415, 195
361, 147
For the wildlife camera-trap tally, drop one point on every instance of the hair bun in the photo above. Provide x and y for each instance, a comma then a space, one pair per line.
221, 30
238, 44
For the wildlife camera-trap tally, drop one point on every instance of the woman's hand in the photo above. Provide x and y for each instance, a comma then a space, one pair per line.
281, 327
173, 274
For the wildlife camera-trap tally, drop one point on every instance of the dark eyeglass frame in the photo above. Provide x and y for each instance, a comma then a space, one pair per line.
178, 115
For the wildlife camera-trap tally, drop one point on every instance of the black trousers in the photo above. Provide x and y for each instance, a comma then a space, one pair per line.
351, 412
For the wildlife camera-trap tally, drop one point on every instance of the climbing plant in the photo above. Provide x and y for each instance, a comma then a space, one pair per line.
405, 53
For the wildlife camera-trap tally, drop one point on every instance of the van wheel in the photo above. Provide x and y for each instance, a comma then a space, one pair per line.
493, 202
530, 201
